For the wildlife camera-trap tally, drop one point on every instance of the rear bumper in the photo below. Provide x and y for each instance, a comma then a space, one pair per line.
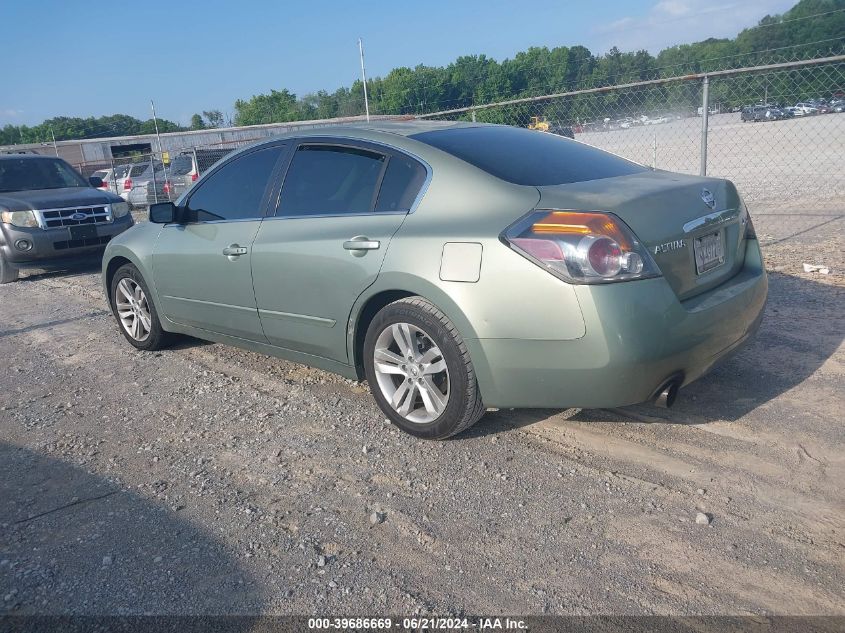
54, 247
637, 336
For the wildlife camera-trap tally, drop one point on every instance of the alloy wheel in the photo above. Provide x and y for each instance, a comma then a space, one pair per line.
133, 310
411, 372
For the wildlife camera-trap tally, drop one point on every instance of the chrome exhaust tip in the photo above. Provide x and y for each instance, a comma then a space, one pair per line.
667, 395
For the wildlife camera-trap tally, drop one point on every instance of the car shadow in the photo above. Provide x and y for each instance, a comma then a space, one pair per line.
803, 326
75, 543
85, 266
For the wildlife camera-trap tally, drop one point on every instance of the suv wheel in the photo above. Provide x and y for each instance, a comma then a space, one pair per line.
134, 310
8, 274
419, 370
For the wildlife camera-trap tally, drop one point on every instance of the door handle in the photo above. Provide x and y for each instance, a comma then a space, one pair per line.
233, 251
361, 243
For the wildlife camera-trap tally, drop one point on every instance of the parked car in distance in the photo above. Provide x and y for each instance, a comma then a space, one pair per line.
455, 266
185, 168
805, 108
764, 113
50, 214
110, 179
144, 184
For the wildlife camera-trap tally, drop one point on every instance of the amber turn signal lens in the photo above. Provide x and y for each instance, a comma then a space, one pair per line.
579, 223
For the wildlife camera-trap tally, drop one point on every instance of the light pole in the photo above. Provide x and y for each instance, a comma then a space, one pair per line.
364, 78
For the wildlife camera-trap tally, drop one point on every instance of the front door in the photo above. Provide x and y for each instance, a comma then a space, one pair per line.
202, 266
338, 210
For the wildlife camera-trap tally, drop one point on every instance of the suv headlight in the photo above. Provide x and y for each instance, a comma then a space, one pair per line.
119, 209
23, 219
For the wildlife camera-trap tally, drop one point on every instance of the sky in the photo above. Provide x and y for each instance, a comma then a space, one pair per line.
76, 58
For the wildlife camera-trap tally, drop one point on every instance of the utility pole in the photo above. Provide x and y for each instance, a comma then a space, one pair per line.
364, 78
160, 153
55, 147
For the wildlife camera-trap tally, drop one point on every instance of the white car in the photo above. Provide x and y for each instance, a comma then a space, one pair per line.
802, 109
109, 182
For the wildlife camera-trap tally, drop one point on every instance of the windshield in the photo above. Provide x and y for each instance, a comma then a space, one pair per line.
526, 157
27, 174
181, 165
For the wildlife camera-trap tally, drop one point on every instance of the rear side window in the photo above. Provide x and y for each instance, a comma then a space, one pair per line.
330, 180
236, 190
528, 157
401, 184
181, 165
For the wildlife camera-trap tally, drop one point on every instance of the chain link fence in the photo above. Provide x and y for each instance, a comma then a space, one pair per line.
776, 131
143, 179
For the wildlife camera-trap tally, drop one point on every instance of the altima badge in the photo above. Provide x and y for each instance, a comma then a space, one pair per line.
709, 198
668, 247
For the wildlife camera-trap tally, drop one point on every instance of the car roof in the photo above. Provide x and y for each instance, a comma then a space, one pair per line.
377, 129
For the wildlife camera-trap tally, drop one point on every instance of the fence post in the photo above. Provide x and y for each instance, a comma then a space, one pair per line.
196, 162
473, 116
654, 152
705, 111
155, 184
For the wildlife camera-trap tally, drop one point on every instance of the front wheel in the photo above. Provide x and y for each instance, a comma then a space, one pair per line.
134, 310
419, 370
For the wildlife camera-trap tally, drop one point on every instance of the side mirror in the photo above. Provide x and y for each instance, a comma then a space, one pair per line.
96, 182
164, 213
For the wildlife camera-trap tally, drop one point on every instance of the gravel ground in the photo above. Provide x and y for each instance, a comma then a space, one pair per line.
204, 479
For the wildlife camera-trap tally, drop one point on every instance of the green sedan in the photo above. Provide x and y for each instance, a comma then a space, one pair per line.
454, 266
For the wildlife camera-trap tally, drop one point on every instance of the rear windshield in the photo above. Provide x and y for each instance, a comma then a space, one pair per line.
528, 157
27, 174
181, 165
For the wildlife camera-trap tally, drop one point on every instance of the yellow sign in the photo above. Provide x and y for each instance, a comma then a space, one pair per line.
165, 158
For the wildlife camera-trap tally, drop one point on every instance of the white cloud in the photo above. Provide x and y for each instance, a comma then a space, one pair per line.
671, 22
10, 113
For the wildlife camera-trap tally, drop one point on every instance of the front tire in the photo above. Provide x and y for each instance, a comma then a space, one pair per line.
135, 312
419, 370
7, 273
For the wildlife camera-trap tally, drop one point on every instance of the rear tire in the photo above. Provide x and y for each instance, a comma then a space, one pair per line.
419, 370
135, 312
8, 274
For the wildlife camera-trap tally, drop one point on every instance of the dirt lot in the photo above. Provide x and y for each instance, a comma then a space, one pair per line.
204, 479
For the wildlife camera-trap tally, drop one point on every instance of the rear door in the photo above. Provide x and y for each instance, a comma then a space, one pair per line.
202, 267
340, 205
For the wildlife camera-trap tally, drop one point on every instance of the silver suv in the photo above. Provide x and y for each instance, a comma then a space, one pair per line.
49, 214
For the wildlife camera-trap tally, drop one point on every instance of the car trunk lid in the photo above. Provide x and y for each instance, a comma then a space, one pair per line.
693, 227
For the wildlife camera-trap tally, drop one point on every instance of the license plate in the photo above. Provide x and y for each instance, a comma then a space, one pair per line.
709, 252
83, 232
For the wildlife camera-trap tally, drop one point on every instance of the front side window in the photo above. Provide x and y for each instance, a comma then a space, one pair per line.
330, 180
236, 190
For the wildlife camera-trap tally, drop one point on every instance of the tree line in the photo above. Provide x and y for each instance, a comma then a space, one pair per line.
811, 28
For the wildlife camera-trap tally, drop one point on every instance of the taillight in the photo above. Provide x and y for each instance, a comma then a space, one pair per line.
194, 177
584, 247
127, 184
750, 233
105, 185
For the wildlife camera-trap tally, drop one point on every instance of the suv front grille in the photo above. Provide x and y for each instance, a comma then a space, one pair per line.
55, 218
95, 241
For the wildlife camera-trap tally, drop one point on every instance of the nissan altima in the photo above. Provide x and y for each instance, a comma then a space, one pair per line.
454, 266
